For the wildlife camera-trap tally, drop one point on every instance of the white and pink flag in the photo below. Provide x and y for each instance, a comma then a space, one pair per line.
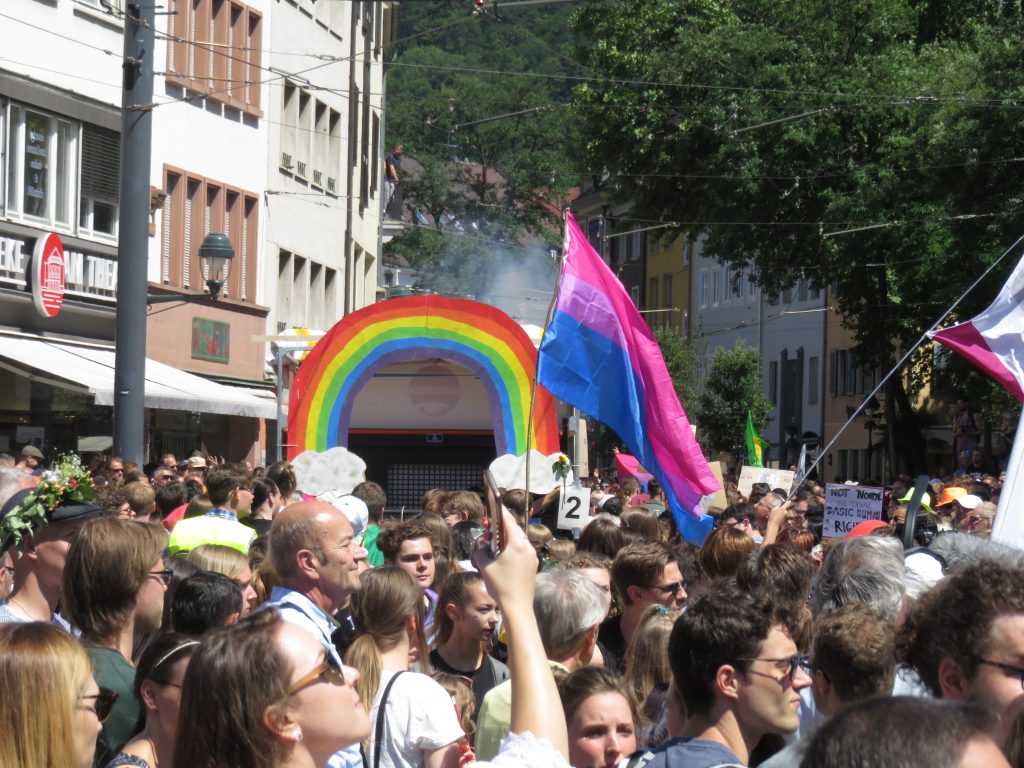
994, 340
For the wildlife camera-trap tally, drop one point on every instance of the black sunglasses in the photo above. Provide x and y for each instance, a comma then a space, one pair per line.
103, 703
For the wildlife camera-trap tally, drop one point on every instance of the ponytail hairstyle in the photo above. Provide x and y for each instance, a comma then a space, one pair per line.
455, 592
381, 607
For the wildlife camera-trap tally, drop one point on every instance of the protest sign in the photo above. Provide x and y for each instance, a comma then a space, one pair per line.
717, 500
776, 478
847, 505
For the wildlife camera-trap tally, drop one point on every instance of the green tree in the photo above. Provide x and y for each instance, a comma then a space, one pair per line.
732, 389
681, 362
490, 139
866, 146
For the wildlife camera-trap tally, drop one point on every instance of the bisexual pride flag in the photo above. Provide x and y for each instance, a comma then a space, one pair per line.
598, 355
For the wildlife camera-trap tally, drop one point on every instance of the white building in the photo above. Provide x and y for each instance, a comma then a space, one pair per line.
239, 85
788, 333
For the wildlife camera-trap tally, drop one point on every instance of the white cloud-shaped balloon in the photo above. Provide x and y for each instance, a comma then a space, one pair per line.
510, 472
336, 469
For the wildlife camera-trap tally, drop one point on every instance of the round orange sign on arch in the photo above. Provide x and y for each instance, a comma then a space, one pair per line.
48, 275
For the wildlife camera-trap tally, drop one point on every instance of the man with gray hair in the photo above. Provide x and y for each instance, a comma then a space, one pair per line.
569, 609
867, 570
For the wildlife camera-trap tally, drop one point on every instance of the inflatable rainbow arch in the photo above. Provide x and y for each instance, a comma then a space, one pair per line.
477, 336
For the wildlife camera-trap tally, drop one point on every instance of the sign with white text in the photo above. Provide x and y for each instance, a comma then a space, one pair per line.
847, 505
573, 508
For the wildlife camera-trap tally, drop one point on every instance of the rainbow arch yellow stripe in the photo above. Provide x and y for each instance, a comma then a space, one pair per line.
477, 336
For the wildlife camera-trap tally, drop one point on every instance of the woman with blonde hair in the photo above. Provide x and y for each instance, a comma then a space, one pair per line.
648, 671
414, 723
52, 706
228, 561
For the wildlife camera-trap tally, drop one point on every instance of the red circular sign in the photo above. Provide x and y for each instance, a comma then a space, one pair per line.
48, 272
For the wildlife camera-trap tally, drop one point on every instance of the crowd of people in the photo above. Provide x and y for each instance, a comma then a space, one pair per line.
206, 613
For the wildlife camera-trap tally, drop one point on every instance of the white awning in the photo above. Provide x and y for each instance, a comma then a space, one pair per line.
89, 369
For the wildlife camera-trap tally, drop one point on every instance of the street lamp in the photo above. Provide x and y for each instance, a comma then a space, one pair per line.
215, 254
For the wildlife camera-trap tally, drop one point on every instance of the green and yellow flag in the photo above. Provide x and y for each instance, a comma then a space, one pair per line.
755, 444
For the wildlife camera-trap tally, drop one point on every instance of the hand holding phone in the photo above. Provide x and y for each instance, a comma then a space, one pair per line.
494, 513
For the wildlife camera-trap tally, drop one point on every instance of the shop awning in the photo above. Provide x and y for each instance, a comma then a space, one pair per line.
89, 369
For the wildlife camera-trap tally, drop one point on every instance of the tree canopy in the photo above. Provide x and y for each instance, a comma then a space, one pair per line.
872, 147
475, 99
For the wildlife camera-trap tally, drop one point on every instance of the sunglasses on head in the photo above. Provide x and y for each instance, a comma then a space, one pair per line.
102, 703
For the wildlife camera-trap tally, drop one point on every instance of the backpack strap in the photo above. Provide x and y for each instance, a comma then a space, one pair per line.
378, 734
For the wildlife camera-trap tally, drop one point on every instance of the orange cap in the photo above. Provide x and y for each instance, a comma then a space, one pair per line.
951, 494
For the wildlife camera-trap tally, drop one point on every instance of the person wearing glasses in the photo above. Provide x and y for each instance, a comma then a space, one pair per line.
852, 660
965, 639
52, 706
315, 555
283, 699
738, 671
645, 573
113, 590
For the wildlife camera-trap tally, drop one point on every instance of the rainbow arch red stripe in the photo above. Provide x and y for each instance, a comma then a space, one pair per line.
477, 336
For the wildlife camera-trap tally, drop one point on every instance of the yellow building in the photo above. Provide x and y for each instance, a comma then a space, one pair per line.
667, 292
861, 452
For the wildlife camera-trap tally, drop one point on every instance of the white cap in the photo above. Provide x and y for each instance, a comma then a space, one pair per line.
923, 573
968, 501
353, 508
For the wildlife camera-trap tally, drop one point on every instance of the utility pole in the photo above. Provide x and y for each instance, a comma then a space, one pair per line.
133, 229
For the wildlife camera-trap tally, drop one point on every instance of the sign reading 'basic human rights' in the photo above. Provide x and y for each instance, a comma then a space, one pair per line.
847, 505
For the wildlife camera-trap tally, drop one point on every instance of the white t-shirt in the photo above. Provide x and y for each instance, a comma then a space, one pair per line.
420, 718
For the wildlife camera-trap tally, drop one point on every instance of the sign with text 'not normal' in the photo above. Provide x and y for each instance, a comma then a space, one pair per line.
847, 505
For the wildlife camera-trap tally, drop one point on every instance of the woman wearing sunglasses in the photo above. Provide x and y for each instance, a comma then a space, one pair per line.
52, 706
263, 693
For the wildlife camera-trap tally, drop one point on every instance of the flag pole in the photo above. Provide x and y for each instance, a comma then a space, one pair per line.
533, 386
906, 356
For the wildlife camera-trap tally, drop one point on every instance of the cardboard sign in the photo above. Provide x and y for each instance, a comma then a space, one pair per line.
573, 508
847, 505
718, 499
776, 478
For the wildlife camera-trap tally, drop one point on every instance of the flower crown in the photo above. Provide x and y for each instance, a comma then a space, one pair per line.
67, 482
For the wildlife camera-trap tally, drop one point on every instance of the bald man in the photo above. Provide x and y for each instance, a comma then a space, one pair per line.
315, 555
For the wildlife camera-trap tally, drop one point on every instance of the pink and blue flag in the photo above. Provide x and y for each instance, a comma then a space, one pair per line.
598, 355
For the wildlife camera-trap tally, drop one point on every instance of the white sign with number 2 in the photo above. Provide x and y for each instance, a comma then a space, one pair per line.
573, 508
